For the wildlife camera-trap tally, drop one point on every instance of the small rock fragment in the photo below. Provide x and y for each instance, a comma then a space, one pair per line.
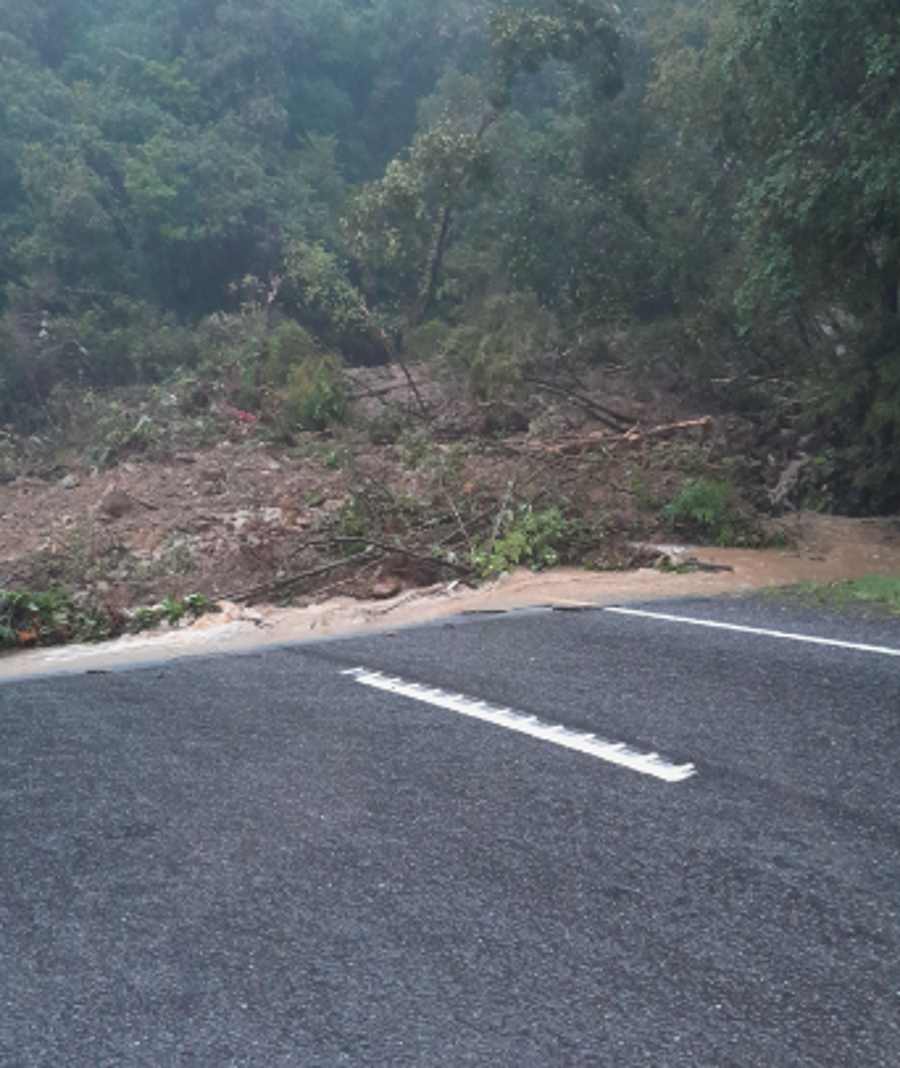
115, 503
381, 591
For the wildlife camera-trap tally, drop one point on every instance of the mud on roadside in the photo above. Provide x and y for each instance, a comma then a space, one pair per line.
827, 549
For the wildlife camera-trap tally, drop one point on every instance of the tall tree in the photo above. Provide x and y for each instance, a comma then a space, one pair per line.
801, 100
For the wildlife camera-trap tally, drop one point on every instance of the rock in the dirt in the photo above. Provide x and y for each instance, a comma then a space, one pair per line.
385, 589
115, 503
70, 481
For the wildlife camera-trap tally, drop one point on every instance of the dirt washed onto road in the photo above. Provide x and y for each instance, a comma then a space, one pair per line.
827, 549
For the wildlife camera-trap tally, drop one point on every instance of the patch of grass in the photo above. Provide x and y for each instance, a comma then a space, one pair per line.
881, 591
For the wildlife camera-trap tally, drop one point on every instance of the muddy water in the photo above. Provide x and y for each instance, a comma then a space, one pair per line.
827, 549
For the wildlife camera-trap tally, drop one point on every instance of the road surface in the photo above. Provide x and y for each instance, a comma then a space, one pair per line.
460, 845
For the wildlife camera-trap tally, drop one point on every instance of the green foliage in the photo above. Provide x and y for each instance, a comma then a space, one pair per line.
152, 180
111, 426
355, 522
162, 164
498, 341
401, 226
822, 207
316, 398
387, 426
290, 347
170, 610
416, 448
878, 591
229, 350
704, 507
320, 290
795, 108
164, 84
854, 404
716, 182
96, 343
523, 38
48, 617
527, 538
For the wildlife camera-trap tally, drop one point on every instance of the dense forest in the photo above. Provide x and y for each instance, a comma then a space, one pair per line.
245, 193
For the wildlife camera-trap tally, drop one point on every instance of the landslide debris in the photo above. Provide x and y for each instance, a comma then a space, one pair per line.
390, 501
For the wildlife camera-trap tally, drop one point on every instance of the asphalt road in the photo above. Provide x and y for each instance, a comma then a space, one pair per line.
262, 860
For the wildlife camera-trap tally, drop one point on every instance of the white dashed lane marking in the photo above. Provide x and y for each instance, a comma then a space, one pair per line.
786, 635
612, 752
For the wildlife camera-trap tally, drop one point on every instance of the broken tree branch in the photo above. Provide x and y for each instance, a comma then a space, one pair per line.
608, 416
288, 580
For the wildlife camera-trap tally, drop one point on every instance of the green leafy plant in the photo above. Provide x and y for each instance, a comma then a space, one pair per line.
48, 617
316, 398
704, 507
196, 604
355, 521
530, 538
387, 426
289, 347
171, 610
498, 342
143, 618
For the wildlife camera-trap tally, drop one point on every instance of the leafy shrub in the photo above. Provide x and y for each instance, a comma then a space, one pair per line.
50, 617
290, 346
498, 342
424, 341
354, 522
533, 539
704, 507
416, 448
229, 347
316, 398
115, 341
170, 610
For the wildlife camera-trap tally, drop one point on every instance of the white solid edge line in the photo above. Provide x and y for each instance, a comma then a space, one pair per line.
582, 742
858, 646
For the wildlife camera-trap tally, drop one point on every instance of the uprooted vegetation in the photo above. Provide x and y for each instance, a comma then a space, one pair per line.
140, 505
